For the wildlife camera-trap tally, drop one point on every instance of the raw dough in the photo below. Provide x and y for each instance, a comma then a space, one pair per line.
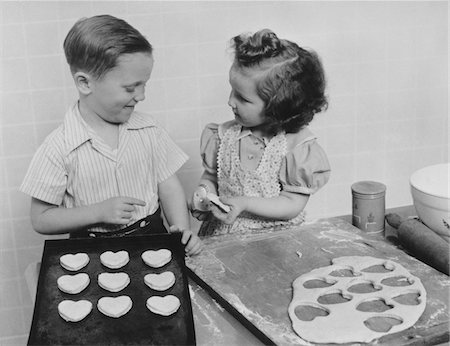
74, 262
342, 322
74, 311
114, 306
73, 284
163, 305
160, 282
113, 282
158, 258
114, 260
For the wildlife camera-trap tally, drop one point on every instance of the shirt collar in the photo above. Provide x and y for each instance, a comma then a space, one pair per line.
75, 128
247, 132
78, 132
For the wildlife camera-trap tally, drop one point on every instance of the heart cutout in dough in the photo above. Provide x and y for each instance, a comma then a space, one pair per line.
113, 282
114, 260
114, 306
74, 311
73, 284
74, 262
165, 306
160, 282
158, 258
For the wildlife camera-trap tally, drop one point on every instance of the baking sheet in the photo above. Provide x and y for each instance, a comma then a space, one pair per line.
139, 326
251, 276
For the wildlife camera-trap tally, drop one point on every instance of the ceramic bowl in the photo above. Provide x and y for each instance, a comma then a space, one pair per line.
430, 189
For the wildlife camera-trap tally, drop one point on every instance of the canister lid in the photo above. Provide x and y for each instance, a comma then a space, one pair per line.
368, 188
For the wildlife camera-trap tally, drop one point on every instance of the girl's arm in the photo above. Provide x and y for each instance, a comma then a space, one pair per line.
173, 203
48, 218
210, 180
284, 207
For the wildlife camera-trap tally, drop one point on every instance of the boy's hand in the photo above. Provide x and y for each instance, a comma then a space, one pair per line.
118, 210
237, 204
193, 244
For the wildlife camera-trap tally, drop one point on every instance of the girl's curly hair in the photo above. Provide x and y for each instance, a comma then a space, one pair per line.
292, 85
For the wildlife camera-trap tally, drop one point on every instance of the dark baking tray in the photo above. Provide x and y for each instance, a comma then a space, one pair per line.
139, 326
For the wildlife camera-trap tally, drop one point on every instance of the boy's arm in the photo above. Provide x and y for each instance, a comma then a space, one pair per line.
48, 218
173, 203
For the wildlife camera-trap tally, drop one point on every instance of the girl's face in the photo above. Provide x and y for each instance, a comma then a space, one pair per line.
114, 96
244, 100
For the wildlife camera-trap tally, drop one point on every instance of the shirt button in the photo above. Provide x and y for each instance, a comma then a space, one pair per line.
250, 157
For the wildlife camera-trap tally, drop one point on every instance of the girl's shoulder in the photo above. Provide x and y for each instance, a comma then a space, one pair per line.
217, 130
299, 139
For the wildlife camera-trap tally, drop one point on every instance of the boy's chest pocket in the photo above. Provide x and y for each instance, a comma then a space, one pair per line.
92, 181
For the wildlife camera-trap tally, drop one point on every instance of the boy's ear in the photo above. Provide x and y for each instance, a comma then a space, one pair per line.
83, 82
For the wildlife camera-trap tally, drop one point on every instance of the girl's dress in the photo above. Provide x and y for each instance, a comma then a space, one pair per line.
289, 162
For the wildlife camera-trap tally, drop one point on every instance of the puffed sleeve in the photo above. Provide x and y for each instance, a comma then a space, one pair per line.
305, 168
209, 145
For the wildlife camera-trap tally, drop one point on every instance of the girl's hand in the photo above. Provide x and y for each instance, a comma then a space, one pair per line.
237, 204
193, 244
117, 210
199, 205
200, 215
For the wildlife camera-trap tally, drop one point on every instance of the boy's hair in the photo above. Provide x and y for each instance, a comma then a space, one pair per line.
94, 44
291, 81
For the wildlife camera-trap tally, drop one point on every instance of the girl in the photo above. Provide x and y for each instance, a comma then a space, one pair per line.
265, 163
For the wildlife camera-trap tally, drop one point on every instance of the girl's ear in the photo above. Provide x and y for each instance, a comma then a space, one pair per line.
83, 82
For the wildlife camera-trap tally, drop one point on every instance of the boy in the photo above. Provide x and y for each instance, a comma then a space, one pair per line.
107, 166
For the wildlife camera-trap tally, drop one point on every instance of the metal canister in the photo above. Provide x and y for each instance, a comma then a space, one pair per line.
368, 206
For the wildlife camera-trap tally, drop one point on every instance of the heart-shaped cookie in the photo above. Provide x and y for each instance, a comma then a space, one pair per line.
158, 258
163, 305
114, 260
114, 306
74, 262
74, 311
160, 282
73, 284
113, 282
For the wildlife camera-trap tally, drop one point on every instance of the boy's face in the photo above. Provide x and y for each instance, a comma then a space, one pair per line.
114, 96
244, 100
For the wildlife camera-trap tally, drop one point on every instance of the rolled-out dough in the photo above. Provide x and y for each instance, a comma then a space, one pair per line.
165, 306
114, 260
113, 282
73, 284
342, 322
158, 258
74, 311
160, 282
74, 262
114, 306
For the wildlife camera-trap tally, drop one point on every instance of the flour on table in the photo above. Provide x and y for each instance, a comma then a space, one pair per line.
371, 297
113, 282
74, 262
114, 260
73, 284
165, 306
114, 306
160, 282
157, 258
74, 311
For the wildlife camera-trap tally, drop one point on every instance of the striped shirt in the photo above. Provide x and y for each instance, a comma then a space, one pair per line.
74, 167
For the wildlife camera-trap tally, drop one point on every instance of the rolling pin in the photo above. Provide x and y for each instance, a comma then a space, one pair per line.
421, 242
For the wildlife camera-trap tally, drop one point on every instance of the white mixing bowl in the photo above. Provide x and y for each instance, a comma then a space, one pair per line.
430, 189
